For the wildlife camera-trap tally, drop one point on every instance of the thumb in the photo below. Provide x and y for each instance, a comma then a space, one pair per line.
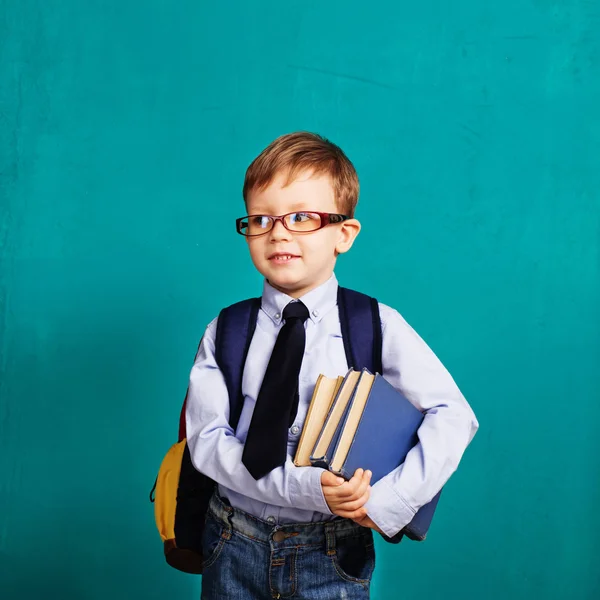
328, 478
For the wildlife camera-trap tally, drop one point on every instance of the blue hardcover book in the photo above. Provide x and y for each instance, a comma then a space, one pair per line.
377, 431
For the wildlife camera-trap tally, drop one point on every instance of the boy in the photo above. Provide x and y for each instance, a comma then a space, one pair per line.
274, 530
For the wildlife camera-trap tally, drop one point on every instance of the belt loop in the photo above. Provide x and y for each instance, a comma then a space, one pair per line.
226, 513
330, 539
229, 512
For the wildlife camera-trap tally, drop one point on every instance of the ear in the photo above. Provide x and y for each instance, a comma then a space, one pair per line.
348, 232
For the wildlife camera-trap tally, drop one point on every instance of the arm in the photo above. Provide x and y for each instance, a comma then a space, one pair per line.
447, 429
216, 452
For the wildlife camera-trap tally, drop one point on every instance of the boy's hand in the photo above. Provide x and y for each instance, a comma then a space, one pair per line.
347, 498
368, 522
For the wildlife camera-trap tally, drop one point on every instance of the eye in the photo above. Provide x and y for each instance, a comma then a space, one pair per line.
302, 217
259, 221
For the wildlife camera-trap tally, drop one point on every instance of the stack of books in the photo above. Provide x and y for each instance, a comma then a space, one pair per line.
362, 421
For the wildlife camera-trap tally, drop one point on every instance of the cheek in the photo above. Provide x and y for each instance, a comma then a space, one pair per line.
256, 249
321, 247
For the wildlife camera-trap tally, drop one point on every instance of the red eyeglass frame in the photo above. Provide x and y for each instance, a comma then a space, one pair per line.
326, 219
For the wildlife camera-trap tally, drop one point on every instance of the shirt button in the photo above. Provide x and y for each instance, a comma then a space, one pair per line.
271, 519
295, 429
278, 316
315, 313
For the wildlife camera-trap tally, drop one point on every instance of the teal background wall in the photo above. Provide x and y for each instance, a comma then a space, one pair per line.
125, 131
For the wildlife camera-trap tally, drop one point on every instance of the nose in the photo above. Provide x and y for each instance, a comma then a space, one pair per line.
279, 232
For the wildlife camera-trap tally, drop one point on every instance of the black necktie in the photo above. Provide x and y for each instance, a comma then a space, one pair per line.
266, 443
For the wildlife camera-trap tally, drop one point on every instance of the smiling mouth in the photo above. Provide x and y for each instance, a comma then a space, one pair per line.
282, 258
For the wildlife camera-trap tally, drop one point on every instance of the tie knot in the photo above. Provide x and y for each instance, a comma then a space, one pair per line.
295, 310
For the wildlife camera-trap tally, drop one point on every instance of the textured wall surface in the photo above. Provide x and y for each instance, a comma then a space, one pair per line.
125, 130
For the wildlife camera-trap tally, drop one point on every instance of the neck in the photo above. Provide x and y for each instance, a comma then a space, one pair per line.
299, 291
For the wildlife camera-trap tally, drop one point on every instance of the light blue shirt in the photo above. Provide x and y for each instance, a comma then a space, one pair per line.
294, 494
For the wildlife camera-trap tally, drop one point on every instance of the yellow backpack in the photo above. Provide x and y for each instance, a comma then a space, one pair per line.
181, 493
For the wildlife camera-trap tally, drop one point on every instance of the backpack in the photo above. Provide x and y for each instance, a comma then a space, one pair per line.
181, 493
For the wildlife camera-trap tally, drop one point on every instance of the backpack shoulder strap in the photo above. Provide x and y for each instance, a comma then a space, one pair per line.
361, 329
235, 328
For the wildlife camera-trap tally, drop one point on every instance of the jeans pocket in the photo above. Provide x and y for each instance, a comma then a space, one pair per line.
212, 540
354, 558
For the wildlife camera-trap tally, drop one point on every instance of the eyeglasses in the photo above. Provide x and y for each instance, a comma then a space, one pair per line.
297, 222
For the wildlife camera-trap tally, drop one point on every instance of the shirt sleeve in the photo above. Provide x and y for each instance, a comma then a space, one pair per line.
216, 452
447, 429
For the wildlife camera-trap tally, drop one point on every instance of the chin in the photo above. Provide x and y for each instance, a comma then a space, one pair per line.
286, 282
286, 285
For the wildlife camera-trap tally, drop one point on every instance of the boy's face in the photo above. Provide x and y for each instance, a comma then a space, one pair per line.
313, 255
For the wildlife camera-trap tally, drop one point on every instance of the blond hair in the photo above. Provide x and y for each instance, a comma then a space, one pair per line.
303, 151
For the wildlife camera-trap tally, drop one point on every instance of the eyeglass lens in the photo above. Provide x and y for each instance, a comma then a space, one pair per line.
299, 221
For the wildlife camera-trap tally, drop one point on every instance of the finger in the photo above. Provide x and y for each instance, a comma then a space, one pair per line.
342, 492
358, 514
355, 504
360, 479
348, 489
343, 498
329, 479
348, 493
354, 488
358, 475
362, 488
348, 507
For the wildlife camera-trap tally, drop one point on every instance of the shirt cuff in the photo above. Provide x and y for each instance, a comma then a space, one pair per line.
388, 510
306, 491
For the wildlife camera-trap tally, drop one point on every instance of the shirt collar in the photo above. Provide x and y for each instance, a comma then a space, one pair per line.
318, 301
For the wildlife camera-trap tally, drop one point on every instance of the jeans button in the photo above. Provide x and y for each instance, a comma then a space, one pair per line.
271, 519
279, 536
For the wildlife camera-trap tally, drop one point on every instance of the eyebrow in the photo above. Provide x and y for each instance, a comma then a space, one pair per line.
298, 207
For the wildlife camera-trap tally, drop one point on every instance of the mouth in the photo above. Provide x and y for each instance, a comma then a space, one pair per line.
281, 258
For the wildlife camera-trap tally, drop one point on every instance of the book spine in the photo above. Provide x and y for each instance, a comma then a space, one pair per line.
335, 440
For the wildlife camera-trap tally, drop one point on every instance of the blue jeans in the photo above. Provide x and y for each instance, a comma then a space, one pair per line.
246, 558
